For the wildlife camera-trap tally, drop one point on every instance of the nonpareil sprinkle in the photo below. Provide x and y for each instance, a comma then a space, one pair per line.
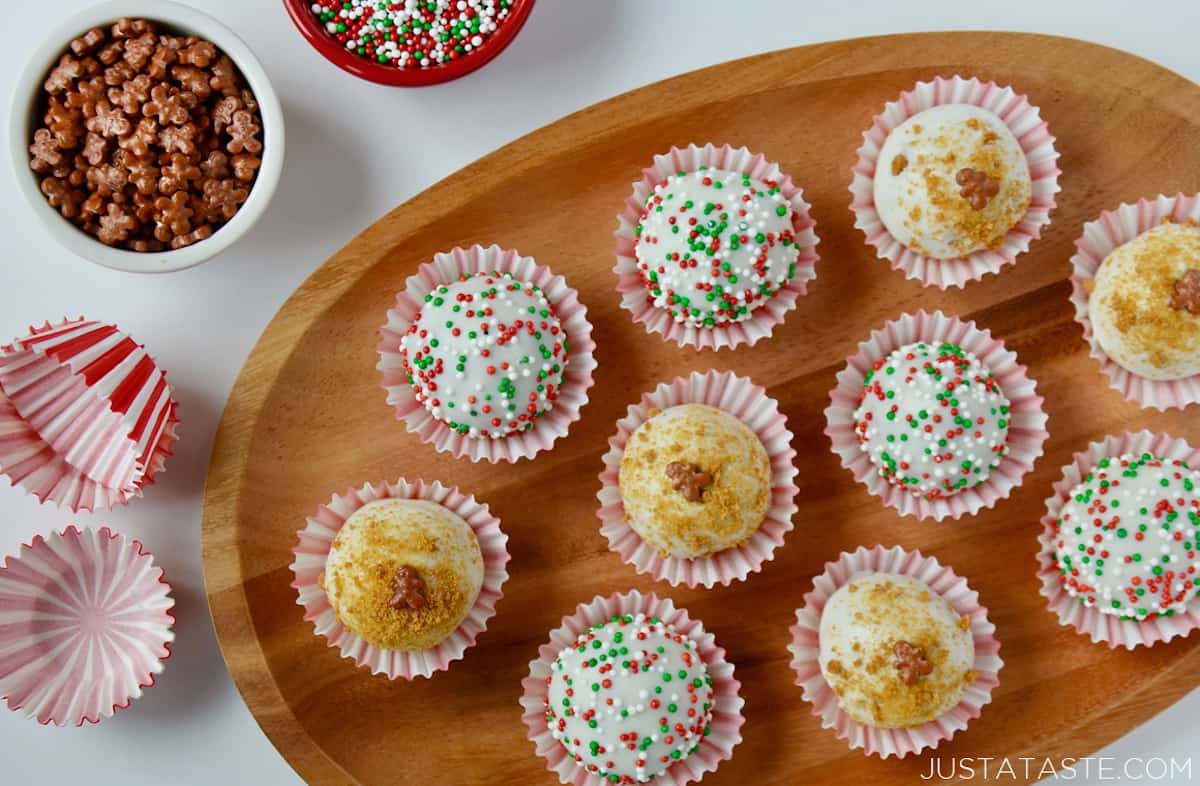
409, 33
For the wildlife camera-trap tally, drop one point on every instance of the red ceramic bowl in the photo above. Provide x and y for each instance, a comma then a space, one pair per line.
314, 32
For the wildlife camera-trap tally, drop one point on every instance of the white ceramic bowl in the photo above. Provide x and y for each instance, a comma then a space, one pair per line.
181, 19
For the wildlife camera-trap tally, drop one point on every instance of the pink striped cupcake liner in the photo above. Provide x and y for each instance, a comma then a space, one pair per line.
312, 550
1027, 422
85, 625
1088, 620
635, 298
554, 424
805, 648
1023, 119
750, 404
727, 718
87, 418
1099, 239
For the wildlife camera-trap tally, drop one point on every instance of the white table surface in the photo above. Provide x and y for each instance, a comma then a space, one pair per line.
347, 165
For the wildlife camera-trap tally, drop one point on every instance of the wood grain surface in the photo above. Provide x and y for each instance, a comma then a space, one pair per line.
307, 417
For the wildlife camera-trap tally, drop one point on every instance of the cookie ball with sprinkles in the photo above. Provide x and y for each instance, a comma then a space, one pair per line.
486, 355
895, 653
713, 246
1128, 537
629, 698
695, 480
403, 573
932, 419
951, 180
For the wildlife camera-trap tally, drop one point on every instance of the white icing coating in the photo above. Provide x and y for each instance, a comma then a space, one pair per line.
715, 245
1130, 306
629, 698
486, 355
917, 194
1127, 538
861, 626
932, 419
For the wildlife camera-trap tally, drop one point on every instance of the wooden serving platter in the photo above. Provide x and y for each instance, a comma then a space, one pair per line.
307, 417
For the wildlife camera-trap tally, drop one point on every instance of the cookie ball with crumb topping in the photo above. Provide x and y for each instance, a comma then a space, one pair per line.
1145, 303
895, 652
403, 573
952, 180
695, 480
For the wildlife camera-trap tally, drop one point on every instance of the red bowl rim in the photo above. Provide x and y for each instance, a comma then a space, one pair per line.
306, 22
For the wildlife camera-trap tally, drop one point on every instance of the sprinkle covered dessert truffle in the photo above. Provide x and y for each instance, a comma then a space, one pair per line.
411, 33
951, 180
894, 652
486, 355
1127, 539
713, 246
403, 573
694, 480
629, 698
1145, 304
932, 420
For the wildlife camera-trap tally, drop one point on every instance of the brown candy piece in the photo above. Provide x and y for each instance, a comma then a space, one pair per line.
178, 139
245, 166
199, 233
911, 662
408, 589
107, 179
95, 148
198, 53
243, 133
689, 480
976, 187
173, 217
109, 121
223, 112
215, 166
140, 139
87, 43
111, 53
115, 225
192, 80
1186, 292
224, 77
65, 123
86, 95
131, 95
138, 51
63, 75
45, 153
178, 174
224, 197
63, 197
131, 28
166, 106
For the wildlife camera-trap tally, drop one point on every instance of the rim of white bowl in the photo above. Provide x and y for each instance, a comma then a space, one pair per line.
28, 92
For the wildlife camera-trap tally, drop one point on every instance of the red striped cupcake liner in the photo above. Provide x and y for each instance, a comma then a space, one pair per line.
1099, 239
1088, 620
85, 626
1027, 422
805, 649
727, 719
572, 395
750, 404
1022, 118
312, 551
87, 418
635, 298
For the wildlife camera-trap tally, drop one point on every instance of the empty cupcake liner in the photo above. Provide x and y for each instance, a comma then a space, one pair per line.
447, 268
750, 404
727, 718
1033, 134
1090, 621
86, 417
1099, 239
1027, 423
313, 550
635, 298
85, 625
805, 648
